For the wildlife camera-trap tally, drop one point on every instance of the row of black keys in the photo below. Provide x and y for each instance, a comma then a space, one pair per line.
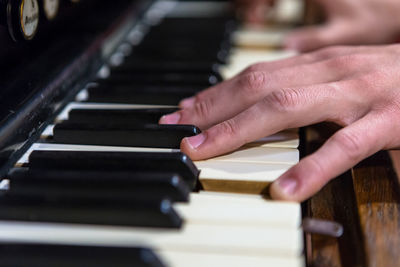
108, 181
169, 64
151, 76
175, 60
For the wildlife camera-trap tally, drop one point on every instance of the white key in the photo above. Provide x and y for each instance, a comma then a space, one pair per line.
285, 242
87, 105
261, 155
193, 259
217, 210
289, 11
240, 171
230, 195
242, 58
259, 36
285, 139
48, 132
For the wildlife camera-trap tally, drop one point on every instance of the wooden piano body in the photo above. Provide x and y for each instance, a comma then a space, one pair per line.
40, 77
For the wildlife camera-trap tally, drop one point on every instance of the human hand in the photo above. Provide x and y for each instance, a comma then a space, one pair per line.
355, 87
350, 22
253, 11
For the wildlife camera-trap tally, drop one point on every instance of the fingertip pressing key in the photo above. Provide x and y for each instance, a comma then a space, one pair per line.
195, 141
172, 118
284, 188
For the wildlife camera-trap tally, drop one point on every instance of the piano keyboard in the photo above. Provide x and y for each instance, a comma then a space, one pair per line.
224, 220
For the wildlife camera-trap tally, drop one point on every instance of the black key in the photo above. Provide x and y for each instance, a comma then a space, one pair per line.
83, 210
109, 92
208, 25
106, 184
175, 162
117, 134
148, 66
188, 55
176, 79
131, 116
50, 255
207, 43
178, 50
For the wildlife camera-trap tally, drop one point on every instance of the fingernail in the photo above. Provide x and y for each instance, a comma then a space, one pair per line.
196, 141
287, 185
187, 102
172, 118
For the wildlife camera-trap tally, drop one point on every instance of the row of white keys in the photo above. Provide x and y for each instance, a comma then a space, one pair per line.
184, 259
231, 240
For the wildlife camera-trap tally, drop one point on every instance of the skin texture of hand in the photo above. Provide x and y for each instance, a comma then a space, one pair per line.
253, 11
350, 22
355, 87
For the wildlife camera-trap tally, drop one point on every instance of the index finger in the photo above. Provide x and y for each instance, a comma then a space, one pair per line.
287, 108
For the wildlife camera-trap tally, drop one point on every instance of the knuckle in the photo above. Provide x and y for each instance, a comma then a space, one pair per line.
284, 100
229, 128
345, 119
203, 108
373, 81
349, 144
252, 82
346, 61
328, 52
316, 167
253, 68
376, 76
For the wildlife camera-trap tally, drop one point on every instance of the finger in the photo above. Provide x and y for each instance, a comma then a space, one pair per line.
343, 150
253, 11
215, 105
262, 66
309, 58
256, 12
314, 37
287, 108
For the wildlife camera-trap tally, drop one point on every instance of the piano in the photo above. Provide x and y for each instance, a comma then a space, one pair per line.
88, 177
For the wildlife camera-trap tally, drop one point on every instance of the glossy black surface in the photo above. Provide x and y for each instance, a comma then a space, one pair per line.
123, 134
50, 255
132, 116
175, 162
107, 184
168, 78
156, 66
87, 210
39, 76
109, 92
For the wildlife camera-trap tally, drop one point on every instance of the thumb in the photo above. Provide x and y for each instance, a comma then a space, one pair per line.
343, 150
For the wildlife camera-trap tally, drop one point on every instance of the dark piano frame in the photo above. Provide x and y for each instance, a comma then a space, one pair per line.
29, 102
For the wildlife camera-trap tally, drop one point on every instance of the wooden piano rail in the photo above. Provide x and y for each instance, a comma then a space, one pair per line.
366, 201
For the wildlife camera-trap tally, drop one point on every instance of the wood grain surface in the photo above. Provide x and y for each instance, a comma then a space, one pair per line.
366, 201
